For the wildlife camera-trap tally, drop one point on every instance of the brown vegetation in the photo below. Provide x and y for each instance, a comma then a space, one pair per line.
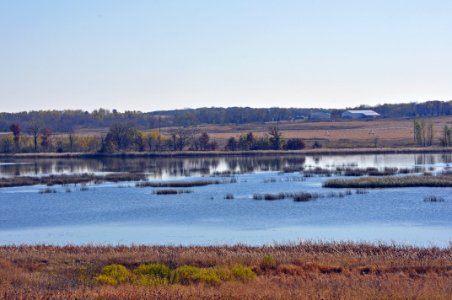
303, 271
63, 179
392, 182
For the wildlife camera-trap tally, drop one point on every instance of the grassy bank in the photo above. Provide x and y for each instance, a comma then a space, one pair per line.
182, 154
309, 271
391, 182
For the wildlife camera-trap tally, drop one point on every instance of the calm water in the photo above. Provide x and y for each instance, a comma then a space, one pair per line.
123, 214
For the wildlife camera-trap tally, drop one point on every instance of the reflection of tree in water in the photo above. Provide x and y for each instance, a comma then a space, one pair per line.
252, 164
157, 167
316, 159
425, 159
154, 166
446, 158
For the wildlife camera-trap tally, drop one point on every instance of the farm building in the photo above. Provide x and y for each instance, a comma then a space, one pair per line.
360, 114
320, 115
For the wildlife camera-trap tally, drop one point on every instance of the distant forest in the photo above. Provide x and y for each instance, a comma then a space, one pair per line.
73, 120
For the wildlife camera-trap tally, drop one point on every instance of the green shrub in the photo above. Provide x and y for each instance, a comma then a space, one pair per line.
160, 274
224, 273
190, 274
113, 274
152, 274
242, 273
268, 262
155, 270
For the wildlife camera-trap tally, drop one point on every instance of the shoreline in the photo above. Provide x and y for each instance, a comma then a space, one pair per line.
188, 154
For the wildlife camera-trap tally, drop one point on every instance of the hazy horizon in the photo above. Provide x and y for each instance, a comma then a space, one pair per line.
163, 55
214, 106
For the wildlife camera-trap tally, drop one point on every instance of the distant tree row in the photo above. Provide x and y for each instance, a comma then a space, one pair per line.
272, 141
67, 121
125, 137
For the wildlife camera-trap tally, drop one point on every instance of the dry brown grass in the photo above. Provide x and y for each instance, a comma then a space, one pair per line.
303, 271
341, 133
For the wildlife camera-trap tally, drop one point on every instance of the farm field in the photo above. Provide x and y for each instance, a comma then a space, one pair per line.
343, 133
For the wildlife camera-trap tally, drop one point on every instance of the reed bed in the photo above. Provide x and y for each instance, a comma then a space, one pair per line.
229, 196
433, 199
357, 172
177, 184
172, 191
64, 179
304, 270
391, 182
298, 196
47, 191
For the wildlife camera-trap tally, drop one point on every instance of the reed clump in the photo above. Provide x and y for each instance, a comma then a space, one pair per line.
47, 191
177, 184
172, 191
229, 196
298, 196
433, 199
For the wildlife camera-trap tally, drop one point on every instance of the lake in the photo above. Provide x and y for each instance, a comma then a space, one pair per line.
120, 213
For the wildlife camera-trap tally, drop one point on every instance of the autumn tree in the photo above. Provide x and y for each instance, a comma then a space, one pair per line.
122, 136
154, 141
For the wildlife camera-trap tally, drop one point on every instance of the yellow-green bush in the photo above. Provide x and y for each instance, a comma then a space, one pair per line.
268, 262
158, 274
155, 270
152, 274
190, 274
114, 274
242, 273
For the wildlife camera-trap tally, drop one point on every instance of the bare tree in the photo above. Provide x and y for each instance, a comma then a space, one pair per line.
179, 138
45, 138
33, 130
275, 137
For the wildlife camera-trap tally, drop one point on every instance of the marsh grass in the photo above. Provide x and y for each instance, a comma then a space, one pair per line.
47, 191
172, 191
391, 182
65, 179
177, 184
433, 199
357, 172
298, 196
313, 270
229, 196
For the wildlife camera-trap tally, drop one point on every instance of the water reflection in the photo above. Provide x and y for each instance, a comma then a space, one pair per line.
175, 167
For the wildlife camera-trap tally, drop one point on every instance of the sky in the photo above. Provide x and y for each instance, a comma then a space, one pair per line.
165, 54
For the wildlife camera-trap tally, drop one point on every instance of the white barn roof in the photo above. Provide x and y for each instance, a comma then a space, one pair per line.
369, 113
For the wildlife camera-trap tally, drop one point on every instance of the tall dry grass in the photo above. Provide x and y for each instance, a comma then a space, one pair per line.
301, 271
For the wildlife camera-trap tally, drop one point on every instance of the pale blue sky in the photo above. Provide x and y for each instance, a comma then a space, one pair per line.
149, 55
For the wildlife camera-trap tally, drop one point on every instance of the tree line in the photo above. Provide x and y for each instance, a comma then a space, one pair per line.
67, 121
123, 137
